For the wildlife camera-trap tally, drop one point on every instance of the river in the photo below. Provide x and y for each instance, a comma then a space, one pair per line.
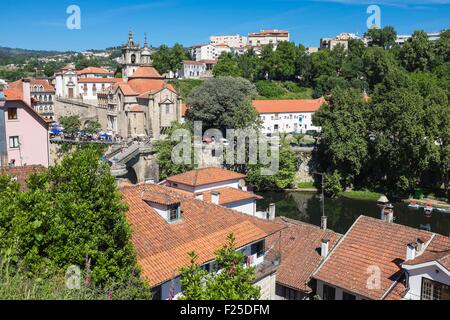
342, 212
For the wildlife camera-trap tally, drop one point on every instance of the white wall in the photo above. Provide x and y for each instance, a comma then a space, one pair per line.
247, 206
429, 272
230, 183
287, 122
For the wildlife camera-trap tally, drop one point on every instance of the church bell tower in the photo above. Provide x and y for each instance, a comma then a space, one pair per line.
131, 57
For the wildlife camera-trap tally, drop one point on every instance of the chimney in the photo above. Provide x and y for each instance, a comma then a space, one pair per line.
389, 213
215, 197
244, 188
26, 94
272, 211
199, 196
411, 251
324, 248
420, 245
323, 222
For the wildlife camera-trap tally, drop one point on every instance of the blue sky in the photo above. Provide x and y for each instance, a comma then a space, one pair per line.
42, 24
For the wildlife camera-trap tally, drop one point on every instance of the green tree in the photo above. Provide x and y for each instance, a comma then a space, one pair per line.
282, 179
92, 126
220, 101
233, 282
227, 66
384, 38
71, 125
164, 149
344, 136
70, 214
332, 185
417, 53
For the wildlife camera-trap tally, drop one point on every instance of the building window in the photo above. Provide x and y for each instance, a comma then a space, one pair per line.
348, 296
174, 213
329, 293
14, 142
433, 290
167, 109
287, 293
12, 114
258, 249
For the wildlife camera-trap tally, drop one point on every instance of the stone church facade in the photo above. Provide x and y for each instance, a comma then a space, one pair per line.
142, 104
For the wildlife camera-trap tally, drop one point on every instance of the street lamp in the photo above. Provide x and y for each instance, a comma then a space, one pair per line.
323, 221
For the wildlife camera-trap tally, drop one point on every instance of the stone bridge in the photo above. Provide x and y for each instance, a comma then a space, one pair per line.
135, 162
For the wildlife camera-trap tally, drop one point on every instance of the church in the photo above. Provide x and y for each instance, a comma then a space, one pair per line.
142, 104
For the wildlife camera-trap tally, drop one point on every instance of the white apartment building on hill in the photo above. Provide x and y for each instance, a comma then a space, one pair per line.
265, 37
233, 41
287, 116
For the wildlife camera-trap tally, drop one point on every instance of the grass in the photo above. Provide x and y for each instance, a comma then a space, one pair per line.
361, 195
306, 185
270, 90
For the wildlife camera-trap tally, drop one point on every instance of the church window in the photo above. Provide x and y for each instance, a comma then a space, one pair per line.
133, 58
41, 88
167, 109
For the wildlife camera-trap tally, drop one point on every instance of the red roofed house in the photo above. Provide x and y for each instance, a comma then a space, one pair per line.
167, 225
24, 138
219, 186
287, 116
381, 260
303, 247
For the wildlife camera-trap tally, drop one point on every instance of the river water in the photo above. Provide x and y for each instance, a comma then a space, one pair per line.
342, 212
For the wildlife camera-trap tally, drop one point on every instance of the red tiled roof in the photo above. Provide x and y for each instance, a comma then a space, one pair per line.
199, 177
146, 72
41, 82
162, 248
94, 70
229, 195
438, 250
14, 92
264, 33
100, 80
369, 242
126, 89
299, 245
193, 62
285, 106
22, 173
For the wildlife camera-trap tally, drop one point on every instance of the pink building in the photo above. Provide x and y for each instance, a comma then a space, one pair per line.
24, 138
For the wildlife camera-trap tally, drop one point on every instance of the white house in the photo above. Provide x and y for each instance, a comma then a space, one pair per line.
287, 116
218, 186
233, 41
168, 224
196, 69
203, 52
380, 260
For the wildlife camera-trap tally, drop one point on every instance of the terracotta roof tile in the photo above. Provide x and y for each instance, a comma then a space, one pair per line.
369, 242
100, 80
199, 177
41, 82
230, 195
94, 70
162, 248
284, 106
299, 245
438, 250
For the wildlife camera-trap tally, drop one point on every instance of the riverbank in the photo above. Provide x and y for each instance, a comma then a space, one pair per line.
433, 202
361, 195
